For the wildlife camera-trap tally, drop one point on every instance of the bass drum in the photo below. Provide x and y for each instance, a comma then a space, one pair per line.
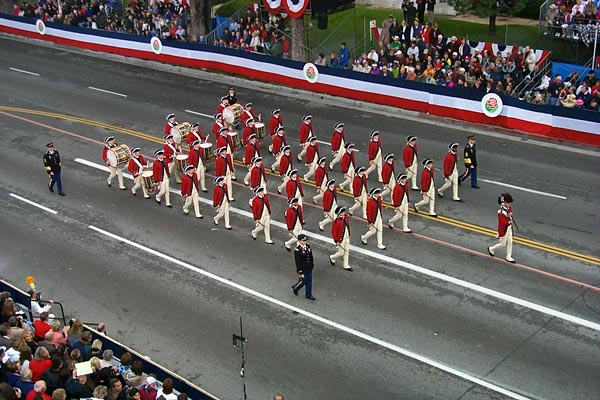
232, 113
180, 132
118, 156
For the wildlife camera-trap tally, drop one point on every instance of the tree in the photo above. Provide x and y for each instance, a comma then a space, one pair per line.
488, 8
199, 10
298, 52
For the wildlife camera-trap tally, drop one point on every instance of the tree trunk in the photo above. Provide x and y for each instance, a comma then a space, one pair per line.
199, 10
492, 25
298, 52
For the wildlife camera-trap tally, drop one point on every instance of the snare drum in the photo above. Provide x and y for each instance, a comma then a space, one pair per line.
232, 113
235, 139
209, 155
148, 181
118, 156
181, 162
261, 131
180, 132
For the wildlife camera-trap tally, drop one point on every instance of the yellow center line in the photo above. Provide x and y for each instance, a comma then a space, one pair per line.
442, 219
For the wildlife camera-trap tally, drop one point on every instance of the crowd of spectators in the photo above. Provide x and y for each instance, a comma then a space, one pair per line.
569, 18
39, 360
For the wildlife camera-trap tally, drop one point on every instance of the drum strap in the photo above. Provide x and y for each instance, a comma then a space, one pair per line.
139, 163
175, 151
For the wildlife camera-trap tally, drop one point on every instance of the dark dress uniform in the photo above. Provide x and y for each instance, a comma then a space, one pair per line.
304, 266
470, 159
53, 168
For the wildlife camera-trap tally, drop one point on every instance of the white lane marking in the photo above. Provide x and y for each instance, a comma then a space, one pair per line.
316, 317
33, 203
107, 91
200, 114
24, 72
524, 189
403, 264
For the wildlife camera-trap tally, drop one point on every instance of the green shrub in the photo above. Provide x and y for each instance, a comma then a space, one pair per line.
532, 11
230, 7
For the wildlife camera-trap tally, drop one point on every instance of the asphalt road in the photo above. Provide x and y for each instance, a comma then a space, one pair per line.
432, 317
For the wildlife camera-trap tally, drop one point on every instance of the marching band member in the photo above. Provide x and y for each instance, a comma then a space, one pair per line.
340, 232
294, 221
136, 167
224, 168
221, 201
261, 211
170, 124
114, 171
258, 177
161, 175
400, 201
189, 190
248, 130
427, 188
293, 187
279, 142
359, 191
223, 140
338, 142
196, 158
348, 165
275, 122
374, 219
284, 167
450, 172
53, 168
306, 131
218, 118
231, 96
329, 204
409, 156
252, 151
171, 149
312, 157
505, 229
248, 113
321, 178
196, 134
388, 176
375, 154
222, 105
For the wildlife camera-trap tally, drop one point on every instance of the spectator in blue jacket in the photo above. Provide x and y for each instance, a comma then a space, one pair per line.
344, 56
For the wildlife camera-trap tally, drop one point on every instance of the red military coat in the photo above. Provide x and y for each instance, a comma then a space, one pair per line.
216, 127
358, 185
258, 204
426, 179
400, 190
256, 174
278, 142
373, 209
312, 151
374, 148
292, 186
134, 167
336, 140
193, 136
347, 161
449, 163
274, 123
168, 127
252, 150
305, 130
187, 183
159, 169
293, 215
340, 226
387, 171
219, 194
504, 220
285, 164
194, 157
170, 151
409, 154
328, 198
322, 173
223, 165
105, 152
248, 130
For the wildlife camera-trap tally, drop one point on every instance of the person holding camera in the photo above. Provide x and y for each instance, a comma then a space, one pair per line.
36, 308
304, 266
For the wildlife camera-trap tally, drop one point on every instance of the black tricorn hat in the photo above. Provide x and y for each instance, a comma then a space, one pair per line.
505, 198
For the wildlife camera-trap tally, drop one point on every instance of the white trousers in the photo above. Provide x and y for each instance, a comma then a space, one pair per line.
293, 241
401, 212
139, 182
411, 173
118, 173
358, 202
343, 250
375, 163
164, 190
376, 228
428, 199
451, 181
348, 177
329, 216
506, 240
223, 212
264, 224
192, 199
